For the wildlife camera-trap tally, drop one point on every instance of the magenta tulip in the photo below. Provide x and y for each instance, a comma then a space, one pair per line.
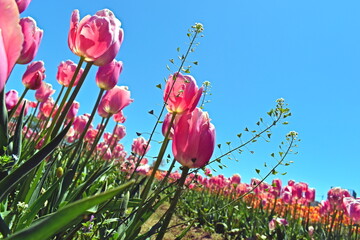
22, 4
32, 38
193, 139
107, 76
65, 73
182, 95
96, 38
34, 75
11, 39
11, 99
139, 146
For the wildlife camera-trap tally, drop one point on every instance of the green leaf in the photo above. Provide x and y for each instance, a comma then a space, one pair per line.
3, 123
31, 212
7, 184
60, 219
186, 230
4, 229
17, 139
158, 86
257, 171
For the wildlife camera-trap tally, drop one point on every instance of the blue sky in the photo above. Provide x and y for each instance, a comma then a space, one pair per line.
253, 52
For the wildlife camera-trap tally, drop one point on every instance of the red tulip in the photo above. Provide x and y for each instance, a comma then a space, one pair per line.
193, 139
96, 38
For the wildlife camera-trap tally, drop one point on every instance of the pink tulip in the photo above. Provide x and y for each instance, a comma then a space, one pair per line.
80, 122
119, 132
310, 194
138, 146
166, 124
107, 76
96, 38
235, 179
11, 99
193, 139
46, 107
11, 39
114, 100
44, 92
184, 95
26, 109
119, 117
91, 134
34, 75
73, 110
66, 71
32, 38
336, 195
22, 4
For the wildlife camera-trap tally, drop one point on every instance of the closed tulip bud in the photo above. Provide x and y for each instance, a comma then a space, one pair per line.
32, 39
66, 71
193, 139
107, 76
182, 95
34, 75
22, 4
59, 172
44, 92
11, 39
114, 101
11, 99
96, 38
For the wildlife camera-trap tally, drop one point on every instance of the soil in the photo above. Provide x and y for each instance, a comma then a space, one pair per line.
194, 233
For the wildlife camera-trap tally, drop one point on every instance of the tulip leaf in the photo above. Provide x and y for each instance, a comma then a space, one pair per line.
63, 217
7, 184
16, 151
3, 123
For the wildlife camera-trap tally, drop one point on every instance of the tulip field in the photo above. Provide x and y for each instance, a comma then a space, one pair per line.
63, 175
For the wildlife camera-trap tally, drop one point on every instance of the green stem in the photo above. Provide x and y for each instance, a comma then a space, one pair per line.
146, 190
173, 204
58, 119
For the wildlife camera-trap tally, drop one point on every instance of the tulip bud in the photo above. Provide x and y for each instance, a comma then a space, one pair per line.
59, 172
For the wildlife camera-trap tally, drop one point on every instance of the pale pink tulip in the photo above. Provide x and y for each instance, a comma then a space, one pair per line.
32, 38
34, 75
182, 95
193, 139
119, 117
11, 38
73, 110
80, 122
96, 38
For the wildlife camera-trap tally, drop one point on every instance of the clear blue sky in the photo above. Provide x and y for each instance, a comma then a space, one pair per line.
253, 52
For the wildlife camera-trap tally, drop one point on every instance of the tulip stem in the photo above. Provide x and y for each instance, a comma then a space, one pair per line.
18, 103
173, 204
